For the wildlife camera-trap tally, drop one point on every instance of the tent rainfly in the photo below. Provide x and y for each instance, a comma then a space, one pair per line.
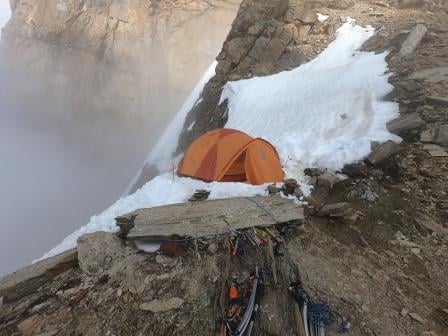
228, 155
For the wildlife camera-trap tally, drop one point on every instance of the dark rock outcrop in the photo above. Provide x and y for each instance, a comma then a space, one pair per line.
266, 38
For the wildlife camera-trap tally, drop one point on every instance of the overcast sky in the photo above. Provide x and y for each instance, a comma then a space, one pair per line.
5, 12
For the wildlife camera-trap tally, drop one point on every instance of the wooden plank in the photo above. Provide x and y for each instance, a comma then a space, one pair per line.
200, 219
26, 280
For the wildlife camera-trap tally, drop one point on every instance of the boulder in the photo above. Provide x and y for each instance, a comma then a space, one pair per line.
333, 209
291, 187
442, 134
339, 4
428, 135
435, 150
212, 249
327, 180
382, 152
314, 172
416, 317
199, 195
160, 306
405, 124
413, 40
437, 100
356, 170
432, 75
437, 134
97, 251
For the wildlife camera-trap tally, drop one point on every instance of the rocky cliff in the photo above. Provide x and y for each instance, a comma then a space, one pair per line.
383, 268
117, 57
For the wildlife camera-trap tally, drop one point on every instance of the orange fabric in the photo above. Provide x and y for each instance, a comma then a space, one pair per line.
262, 163
231, 156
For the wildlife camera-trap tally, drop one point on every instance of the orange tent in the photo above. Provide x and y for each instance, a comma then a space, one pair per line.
231, 156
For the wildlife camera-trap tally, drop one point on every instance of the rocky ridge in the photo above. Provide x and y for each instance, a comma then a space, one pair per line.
382, 265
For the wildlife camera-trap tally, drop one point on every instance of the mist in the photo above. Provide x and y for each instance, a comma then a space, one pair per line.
58, 166
77, 121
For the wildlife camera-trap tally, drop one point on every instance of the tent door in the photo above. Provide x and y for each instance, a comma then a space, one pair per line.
237, 171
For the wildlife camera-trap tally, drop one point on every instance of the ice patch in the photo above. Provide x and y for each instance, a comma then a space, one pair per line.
322, 114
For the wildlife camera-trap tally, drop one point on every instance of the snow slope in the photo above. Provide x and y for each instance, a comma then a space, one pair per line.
322, 114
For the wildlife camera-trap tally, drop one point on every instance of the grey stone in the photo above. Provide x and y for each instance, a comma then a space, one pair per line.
435, 150
404, 312
165, 261
438, 135
314, 171
327, 180
273, 189
97, 251
428, 135
442, 134
307, 16
413, 40
356, 170
333, 209
382, 152
212, 249
435, 100
432, 75
374, 144
160, 306
369, 195
417, 317
289, 186
1, 301
405, 124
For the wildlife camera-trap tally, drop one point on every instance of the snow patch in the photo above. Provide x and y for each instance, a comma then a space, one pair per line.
322, 17
5, 13
191, 126
161, 190
322, 114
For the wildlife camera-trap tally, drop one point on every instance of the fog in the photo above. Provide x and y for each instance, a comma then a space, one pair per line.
56, 168
75, 129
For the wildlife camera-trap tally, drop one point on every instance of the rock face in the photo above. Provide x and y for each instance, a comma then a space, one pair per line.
119, 57
266, 38
97, 250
